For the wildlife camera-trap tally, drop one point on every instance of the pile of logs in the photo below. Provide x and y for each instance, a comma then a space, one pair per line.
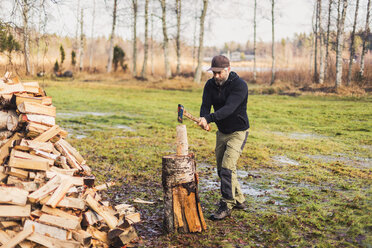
47, 192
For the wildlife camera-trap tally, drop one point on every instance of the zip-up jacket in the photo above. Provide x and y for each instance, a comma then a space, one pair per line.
229, 102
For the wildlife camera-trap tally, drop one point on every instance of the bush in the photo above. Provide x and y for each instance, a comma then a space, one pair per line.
119, 56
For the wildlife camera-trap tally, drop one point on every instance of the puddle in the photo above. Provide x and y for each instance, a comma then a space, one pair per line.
85, 113
125, 127
79, 114
354, 161
285, 160
300, 136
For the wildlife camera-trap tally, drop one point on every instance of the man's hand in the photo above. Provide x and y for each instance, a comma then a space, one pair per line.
203, 123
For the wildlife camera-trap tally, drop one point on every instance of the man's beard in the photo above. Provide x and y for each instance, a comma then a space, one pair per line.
220, 81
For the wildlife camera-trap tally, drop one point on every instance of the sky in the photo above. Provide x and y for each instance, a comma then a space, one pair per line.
229, 20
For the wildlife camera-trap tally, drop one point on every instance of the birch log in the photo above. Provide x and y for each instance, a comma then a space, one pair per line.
182, 210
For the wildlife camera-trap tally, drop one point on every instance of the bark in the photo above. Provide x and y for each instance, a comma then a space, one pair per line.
81, 56
152, 43
352, 48
77, 44
182, 210
144, 66
254, 41
273, 43
321, 46
316, 35
92, 39
112, 37
167, 68
365, 37
26, 35
198, 72
327, 39
135, 10
178, 36
340, 40
194, 37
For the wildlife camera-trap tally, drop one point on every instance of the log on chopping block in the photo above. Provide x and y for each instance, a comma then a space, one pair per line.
182, 210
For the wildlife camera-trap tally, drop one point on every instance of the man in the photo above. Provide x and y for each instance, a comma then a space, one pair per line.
228, 94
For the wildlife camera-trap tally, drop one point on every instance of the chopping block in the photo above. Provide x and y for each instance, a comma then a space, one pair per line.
182, 209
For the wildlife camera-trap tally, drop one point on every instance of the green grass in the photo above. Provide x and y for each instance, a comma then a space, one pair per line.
322, 200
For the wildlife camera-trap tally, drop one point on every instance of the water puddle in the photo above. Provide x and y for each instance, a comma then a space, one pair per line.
67, 115
353, 161
285, 160
80, 114
300, 136
125, 127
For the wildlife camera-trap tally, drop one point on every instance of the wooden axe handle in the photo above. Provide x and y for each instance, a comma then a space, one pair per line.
191, 117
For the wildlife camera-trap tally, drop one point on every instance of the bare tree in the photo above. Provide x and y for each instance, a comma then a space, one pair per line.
327, 38
352, 48
178, 35
144, 66
25, 8
109, 62
135, 10
152, 41
254, 41
77, 43
198, 73
81, 55
91, 36
316, 36
321, 45
342, 4
365, 37
273, 43
194, 36
168, 72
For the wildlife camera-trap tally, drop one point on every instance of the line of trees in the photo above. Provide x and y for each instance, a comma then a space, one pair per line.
323, 40
328, 34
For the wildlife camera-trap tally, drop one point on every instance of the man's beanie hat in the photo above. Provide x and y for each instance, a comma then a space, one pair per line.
219, 63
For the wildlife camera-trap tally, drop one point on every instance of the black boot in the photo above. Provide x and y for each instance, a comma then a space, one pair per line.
222, 212
240, 206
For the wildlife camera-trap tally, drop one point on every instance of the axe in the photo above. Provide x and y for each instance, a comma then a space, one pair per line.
182, 112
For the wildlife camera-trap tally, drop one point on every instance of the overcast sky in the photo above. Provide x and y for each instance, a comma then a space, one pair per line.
229, 20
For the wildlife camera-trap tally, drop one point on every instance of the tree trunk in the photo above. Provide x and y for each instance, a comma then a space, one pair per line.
81, 56
194, 37
144, 66
273, 43
340, 40
92, 39
178, 36
254, 41
152, 41
182, 210
321, 46
168, 72
109, 62
77, 44
365, 37
26, 36
352, 48
327, 39
135, 9
198, 72
316, 35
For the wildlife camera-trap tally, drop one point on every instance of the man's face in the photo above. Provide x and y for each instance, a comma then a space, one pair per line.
221, 76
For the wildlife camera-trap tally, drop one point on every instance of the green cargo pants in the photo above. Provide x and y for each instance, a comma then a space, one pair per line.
228, 150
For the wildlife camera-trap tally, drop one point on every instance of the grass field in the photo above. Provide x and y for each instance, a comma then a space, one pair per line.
306, 168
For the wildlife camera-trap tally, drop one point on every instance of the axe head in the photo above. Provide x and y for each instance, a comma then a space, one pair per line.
180, 113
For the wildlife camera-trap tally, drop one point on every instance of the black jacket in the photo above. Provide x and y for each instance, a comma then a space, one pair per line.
229, 102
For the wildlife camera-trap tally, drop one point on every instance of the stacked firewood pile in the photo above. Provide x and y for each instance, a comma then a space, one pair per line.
47, 192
